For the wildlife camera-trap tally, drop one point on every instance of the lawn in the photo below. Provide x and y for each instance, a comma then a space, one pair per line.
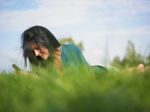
75, 91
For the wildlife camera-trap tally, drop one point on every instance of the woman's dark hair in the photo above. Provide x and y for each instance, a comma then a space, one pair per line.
40, 36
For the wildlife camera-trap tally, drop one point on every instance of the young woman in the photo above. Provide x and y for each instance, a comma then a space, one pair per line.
43, 50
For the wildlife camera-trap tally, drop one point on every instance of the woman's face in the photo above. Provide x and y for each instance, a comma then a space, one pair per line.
40, 51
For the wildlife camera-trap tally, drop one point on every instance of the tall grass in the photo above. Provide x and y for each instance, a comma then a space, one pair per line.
75, 91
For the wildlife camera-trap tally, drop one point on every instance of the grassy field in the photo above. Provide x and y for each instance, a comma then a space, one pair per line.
74, 91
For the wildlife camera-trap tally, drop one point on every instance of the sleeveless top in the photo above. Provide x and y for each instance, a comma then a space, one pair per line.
71, 56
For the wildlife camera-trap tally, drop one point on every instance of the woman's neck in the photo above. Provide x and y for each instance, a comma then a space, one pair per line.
57, 58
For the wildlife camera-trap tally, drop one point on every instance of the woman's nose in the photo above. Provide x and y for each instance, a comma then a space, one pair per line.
37, 52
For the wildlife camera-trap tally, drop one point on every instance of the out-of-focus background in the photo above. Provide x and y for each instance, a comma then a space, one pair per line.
105, 29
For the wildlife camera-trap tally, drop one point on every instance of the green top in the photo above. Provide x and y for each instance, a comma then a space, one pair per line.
72, 56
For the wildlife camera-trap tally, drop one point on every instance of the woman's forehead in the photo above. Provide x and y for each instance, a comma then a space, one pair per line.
34, 45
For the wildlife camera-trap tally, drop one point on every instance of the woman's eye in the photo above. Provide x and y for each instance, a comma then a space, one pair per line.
37, 48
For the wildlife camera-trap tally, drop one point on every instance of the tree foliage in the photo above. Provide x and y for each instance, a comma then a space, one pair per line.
116, 62
132, 57
148, 60
69, 40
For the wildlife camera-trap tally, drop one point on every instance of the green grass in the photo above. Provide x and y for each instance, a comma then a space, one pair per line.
74, 91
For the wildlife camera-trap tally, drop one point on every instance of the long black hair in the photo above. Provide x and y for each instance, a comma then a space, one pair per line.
40, 36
